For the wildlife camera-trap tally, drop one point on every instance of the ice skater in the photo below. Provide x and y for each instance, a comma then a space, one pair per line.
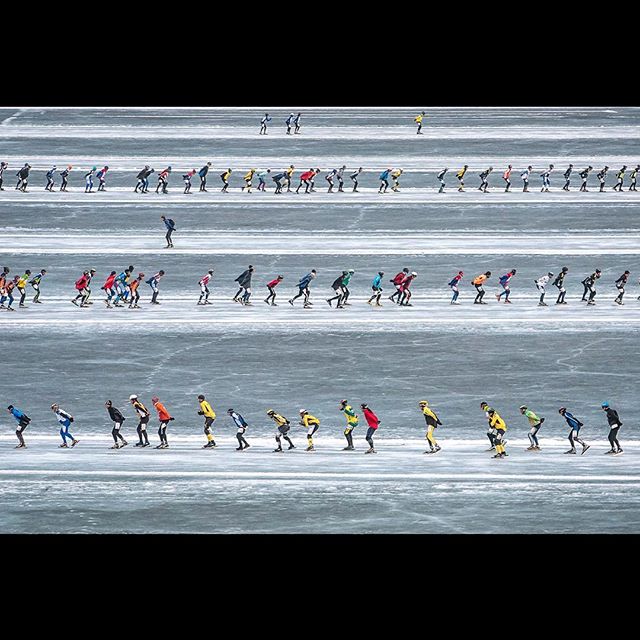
170, 226
102, 177
206, 410
154, 283
620, 179
440, 177
491, 432
559, 284
345, 286
117, 418
288, 175
373, 422
134, 290
50, 178
82, 287
567, 178
329, 178
397, 283
614, 427
574, 426
352, 423
3, 166
282, 430
541, 285
88, 180
376, 288
248, 178
589, 284
307, 178
620, 284
535, 423
354, 178
163, 181
203, 176
109, 288
204, 287
602, 177
262, 179
186, 178
23, 421
35, 283
395, 176
525, 175
289, 123
242, 425
271, 286
384, 181
225, 176
296, 123
432, 421
278, 178
21, 286
478, 283
633, 177
64, 174
311, 424
339, 290
453, 284
143, 420
65, 419
546, 178
304, 289
244, 286
460, 177
500, 427
164, 417
484, 179
405, 287
263, 124
506, 176
418, 120
584, 176
23, 178
506, 288
340, 178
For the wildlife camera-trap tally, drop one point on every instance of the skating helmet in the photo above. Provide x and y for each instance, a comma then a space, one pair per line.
229, 411
55, 406
141, 275
550, 274
351, 271
155, 399
523, 407
414, 274
565, 269
562, 410
598, 271
303, 411
133, 396
380, 273
605, 405
364, 406
423, 403
270, 412
343, 402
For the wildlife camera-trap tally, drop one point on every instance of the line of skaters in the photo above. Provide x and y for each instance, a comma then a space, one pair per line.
496, 433
123, 289
335, 177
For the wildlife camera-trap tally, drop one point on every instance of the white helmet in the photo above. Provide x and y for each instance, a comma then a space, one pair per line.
133, 396
413, 273
303, 411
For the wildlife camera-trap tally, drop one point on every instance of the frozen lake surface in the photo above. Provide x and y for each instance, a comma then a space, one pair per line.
287, 358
